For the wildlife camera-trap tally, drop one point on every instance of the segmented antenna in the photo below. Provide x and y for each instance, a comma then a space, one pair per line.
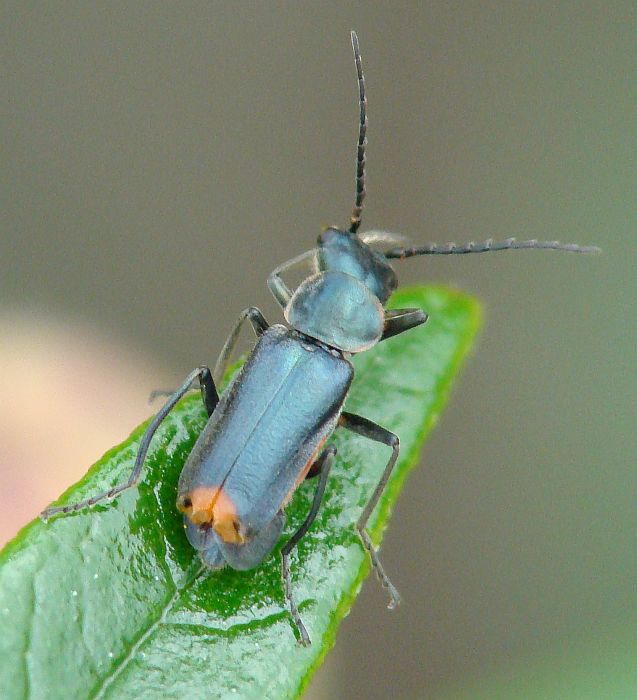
486, 247
355, 219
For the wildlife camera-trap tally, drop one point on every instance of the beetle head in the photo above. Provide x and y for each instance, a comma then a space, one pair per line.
346, 252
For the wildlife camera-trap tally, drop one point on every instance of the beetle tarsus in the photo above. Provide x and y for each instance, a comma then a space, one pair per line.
94, 500
394, 596
304, 637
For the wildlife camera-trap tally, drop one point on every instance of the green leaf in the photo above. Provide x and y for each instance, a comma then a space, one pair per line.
112, 602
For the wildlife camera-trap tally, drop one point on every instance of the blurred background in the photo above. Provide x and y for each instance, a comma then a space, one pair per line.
160, 159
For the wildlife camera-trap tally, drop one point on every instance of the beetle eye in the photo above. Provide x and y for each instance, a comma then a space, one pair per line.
331, 233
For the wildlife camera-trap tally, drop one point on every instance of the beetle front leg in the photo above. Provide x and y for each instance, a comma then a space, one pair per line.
277, 286
211, 398
324, 465
373, 431
401, 320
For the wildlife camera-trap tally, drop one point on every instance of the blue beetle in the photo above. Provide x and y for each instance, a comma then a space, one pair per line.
267, 433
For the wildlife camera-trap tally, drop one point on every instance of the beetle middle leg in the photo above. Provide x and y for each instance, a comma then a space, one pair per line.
324, 465
373, 431
210, 398
259, 325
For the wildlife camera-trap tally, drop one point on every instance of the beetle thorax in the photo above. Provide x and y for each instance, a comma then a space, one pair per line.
337, 309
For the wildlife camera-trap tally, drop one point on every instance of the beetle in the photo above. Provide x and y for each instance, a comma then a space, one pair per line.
268, 431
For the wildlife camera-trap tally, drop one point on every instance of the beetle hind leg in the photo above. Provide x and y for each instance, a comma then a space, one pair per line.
324, 465
373, 431
211, 399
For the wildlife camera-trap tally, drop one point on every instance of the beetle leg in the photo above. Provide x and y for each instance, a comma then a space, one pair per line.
259, 325
206, 386
401, 320
211, 399
277, 286
208, 390
373, 431
314, 470
324, 464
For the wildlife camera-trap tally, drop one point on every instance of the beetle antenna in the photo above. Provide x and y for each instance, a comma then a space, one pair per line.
487, 246
355, 219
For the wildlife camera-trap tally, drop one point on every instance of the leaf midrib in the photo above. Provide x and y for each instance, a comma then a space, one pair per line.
119, 668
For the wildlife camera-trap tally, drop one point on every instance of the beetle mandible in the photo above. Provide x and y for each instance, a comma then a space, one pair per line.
267, 432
